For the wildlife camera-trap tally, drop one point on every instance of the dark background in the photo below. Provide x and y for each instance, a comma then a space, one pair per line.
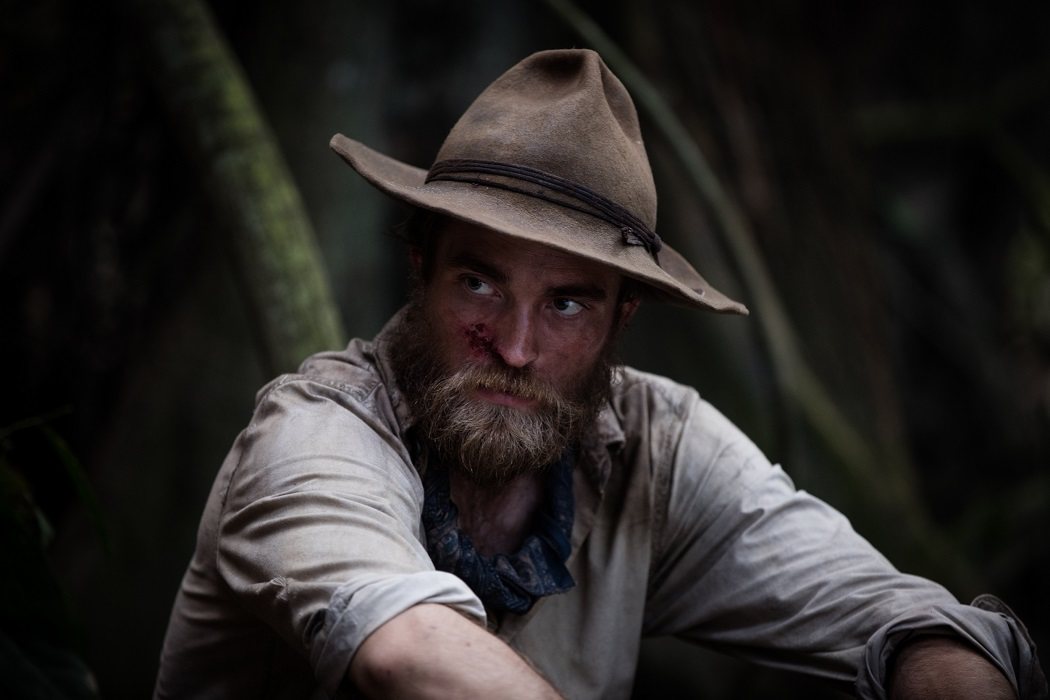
892, 161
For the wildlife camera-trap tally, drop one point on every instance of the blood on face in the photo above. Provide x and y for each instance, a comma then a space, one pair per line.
479, 340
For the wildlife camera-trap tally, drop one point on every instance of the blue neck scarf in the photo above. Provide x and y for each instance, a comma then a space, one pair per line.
505, 582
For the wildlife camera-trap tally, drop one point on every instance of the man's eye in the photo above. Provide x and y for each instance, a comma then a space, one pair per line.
567, 307
477, 285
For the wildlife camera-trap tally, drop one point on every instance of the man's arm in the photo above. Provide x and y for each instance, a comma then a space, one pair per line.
936, 668
318, 534
743, 561
431, 651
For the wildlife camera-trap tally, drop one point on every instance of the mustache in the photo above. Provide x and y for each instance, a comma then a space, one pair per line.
506, 380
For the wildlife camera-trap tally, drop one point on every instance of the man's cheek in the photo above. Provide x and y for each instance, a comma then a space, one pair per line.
479, 340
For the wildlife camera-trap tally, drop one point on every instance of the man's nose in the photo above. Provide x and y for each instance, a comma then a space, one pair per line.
516, 344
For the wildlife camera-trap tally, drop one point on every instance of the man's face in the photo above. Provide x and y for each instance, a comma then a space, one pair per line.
507, 350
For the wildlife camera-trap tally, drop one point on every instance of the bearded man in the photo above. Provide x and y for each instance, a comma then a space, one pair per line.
477, 504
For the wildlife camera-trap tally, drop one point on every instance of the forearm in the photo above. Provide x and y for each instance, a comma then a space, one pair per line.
431, 651
936, 668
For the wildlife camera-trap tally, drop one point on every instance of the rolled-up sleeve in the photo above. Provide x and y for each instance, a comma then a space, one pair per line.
996, 635
319, 534
748, 564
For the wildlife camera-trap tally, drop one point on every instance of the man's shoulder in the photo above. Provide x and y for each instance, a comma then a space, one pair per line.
337, 403
351, 379
634, 390
654, 405
353, 370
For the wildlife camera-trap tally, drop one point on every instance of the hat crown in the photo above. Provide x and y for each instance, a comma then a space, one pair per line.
550, 153
563, 113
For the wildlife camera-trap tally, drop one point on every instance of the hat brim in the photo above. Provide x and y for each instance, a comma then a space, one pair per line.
536, 220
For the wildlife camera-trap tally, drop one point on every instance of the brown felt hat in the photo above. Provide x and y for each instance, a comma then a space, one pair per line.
551, 153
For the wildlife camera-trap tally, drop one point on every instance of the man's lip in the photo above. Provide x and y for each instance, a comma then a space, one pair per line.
504, 399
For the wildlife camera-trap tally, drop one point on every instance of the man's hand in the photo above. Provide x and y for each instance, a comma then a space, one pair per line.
431, 651
943, 668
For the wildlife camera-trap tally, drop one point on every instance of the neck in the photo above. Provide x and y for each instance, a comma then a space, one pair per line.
497, 518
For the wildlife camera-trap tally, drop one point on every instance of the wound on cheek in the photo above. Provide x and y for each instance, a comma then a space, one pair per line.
479, 340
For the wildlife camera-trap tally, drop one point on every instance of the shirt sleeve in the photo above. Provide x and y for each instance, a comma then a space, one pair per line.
319, 534
995, 632
747, 564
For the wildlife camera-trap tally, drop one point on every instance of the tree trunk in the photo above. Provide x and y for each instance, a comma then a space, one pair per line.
276, 255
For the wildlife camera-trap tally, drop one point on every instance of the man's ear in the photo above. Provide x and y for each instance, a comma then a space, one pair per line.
627, 310
415, 259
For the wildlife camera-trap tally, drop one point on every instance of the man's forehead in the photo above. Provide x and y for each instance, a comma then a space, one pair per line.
467, 244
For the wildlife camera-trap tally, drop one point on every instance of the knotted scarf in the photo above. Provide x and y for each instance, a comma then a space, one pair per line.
505, 582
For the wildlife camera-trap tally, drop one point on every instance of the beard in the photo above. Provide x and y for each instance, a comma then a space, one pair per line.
491, 443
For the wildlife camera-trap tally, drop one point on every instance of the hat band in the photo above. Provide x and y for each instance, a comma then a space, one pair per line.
580, 198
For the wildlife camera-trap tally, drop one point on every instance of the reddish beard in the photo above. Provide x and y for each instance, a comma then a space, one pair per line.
491, 443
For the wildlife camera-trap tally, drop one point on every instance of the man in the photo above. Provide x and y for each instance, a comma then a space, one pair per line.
477, 504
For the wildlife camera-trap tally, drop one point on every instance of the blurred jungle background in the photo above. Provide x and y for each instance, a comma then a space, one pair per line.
872, 179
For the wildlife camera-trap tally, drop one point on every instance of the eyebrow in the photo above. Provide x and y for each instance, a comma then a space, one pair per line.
579, 291
469, 261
